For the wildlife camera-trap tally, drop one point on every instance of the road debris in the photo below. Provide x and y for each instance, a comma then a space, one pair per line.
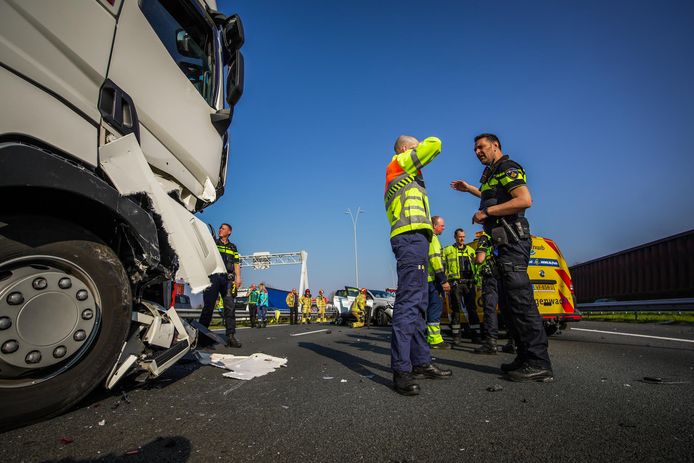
66, 440
343, 380
102, 422
328, 377
660, 380
242, 366
495, 388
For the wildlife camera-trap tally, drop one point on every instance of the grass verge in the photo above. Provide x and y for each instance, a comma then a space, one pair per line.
641, 317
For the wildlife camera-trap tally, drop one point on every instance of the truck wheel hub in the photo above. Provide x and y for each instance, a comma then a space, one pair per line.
49, 314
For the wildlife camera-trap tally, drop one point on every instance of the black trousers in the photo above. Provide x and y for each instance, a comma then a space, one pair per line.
253, 312
516, 297
220, 286
462, 298
293, 315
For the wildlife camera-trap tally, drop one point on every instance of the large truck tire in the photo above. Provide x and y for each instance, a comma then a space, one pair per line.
65, 308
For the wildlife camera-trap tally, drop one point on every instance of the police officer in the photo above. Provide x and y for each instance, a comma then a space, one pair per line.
460, 269
407, 209
504, 197
224, 284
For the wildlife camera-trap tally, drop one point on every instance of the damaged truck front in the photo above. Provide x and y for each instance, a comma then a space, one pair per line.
113, 133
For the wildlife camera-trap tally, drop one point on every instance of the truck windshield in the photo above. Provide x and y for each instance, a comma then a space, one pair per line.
188, 39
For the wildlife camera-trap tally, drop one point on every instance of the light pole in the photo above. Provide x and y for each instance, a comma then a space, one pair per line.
354, 218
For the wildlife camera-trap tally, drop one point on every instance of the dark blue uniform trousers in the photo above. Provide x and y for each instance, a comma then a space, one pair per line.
408, 344
490, 299
220, 286
516, 298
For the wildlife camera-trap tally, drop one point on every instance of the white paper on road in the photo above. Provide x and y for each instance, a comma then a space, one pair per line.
242, 366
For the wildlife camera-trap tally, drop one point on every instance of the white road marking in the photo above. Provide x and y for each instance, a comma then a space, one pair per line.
308, 332
632, 334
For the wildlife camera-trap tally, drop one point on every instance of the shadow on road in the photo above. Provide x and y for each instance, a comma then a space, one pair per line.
360, 366
180, 370
362, 344
175, 449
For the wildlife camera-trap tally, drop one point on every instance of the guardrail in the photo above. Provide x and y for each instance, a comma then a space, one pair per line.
242, 314
658, 305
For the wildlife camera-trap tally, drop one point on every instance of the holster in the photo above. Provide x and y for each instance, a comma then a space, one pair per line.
507, 267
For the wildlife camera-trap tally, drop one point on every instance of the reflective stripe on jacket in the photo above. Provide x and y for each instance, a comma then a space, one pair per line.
359, 303
436, 272
453, 255
405, 195
291, 300
305, 302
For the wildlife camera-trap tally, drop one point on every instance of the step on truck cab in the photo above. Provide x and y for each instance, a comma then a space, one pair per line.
113, 134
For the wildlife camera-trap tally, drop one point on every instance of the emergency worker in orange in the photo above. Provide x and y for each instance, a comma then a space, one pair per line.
305, 302
407, 209
321, 302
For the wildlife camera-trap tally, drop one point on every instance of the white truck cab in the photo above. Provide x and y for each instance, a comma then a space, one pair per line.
113, 133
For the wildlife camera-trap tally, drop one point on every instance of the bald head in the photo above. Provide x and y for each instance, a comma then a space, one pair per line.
404, 143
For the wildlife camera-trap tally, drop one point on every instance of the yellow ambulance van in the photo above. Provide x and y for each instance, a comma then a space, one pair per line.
552, 286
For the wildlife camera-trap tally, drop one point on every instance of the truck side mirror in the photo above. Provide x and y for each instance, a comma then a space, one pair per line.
235, 79
233, 33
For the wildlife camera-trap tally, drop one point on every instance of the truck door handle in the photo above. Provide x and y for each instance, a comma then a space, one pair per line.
118, 109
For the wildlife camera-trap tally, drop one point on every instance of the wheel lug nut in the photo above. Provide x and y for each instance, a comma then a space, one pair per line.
64, 283
87, 314
15, 298
9, 347
33, 357
79, 335
40, 283
82, 295
5, 322
59, 352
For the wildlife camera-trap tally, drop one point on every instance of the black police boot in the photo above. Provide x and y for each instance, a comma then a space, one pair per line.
233, 342
516, 364
488, 347
527, 373
404, 383
457, 340
509, 347
430, 371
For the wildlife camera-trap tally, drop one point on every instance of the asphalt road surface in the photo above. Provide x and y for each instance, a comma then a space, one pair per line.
599, 408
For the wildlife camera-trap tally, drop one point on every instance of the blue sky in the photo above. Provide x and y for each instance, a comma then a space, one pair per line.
594, 99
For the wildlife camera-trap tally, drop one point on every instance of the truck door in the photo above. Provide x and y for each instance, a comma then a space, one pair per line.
166, 59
